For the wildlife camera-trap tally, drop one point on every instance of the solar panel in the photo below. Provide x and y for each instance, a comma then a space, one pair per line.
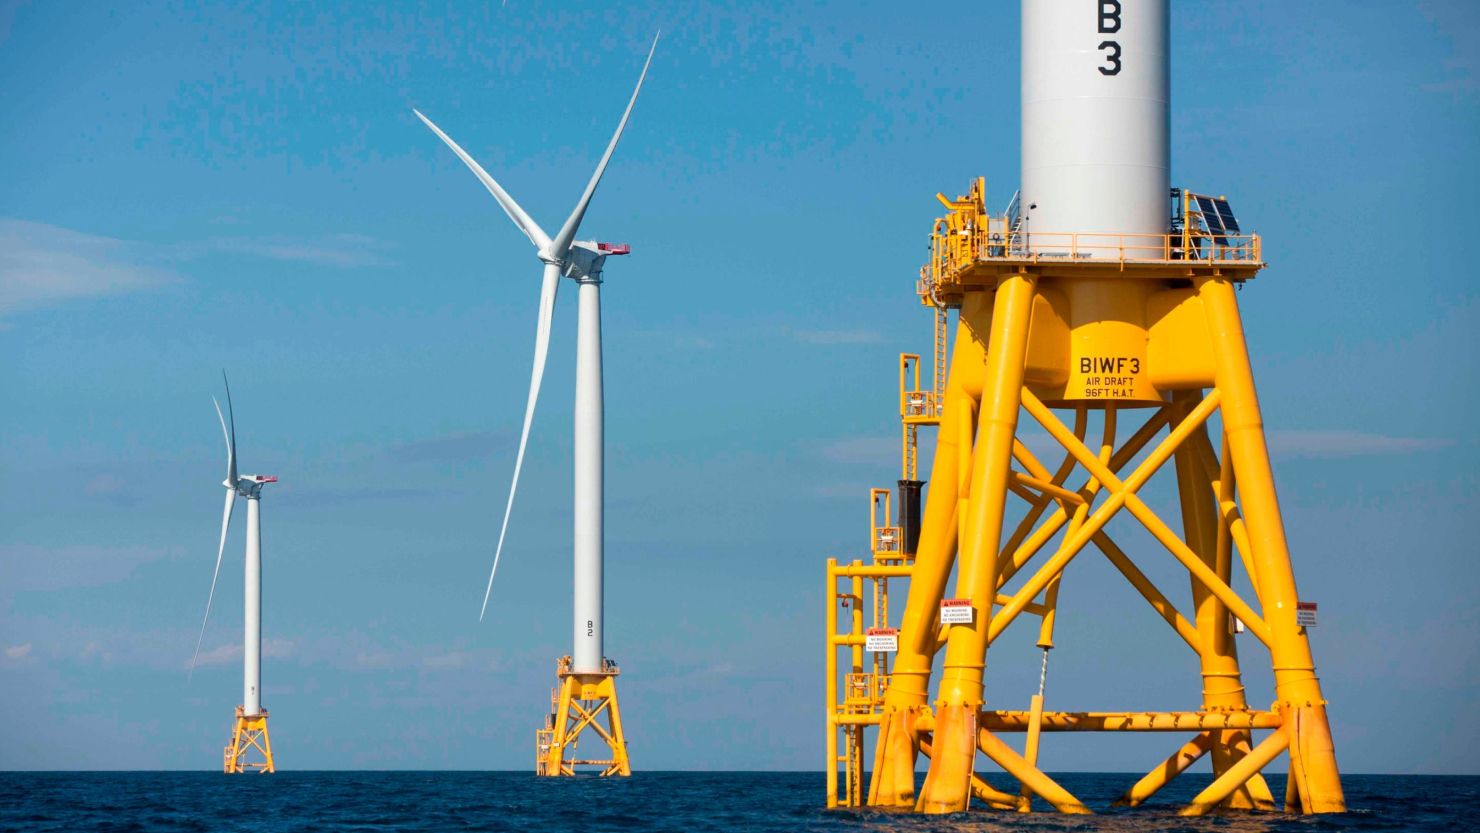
1205, 205
1211, 218
1226, 215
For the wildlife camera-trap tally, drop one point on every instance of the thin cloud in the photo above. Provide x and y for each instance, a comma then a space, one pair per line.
454, 660
111, 489
42, 266
18, 652
450, 449
1329, 444
36, 568
336, 250
232, 652
373, 661
1459, 24
837, 337
318, 498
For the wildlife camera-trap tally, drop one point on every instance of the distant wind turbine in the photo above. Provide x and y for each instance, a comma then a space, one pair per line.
582, 261
250, 730
587, 676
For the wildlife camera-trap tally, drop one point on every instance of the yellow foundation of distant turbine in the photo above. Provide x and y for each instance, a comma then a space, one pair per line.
249, 733
1131, 329
578, 705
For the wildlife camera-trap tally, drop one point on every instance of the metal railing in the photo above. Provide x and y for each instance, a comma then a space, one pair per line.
863, 693
955, 249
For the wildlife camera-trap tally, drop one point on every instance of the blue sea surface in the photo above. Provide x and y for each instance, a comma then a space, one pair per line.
682, 802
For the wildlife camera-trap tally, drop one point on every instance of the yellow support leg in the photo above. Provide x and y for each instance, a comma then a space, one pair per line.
909, 681
1298, 692
947, 785
893, 782
1223, 688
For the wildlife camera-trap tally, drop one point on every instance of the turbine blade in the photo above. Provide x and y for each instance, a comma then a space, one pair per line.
229, 435
220, 550
541, 350
561, 244
521, 219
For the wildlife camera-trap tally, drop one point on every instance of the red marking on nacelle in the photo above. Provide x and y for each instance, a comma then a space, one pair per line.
614, 248
266, 478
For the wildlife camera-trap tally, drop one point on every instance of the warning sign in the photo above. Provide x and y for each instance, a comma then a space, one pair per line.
1305, 614
955, 611
881, 640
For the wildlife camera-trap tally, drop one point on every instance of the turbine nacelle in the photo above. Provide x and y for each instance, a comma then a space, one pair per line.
250, 485
586, 258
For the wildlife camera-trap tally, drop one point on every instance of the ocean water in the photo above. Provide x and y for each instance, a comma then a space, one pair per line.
682, 802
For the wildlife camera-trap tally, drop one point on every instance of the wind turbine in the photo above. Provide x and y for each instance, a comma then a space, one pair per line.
587, 676
250, 729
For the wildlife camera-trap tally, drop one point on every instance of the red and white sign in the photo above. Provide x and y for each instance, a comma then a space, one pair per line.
1305, 614
955, 611
881, 640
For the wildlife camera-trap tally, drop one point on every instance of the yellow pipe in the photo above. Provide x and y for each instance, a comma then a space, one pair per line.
1051, 594
831, 663
1030, 777
1207, 537
947, 784
965, 451
1123, 492
874, 570
1027, 494
1029, 548
1030, 745
1046, 488
1148, 591
991, 796
1050, 616
909, 683
961, 676
1292, 794
1018, 721
893, 781
1039, 504
1166, 771
1127, 452
1227, 503
1219, 471
856, 630
1298, 691
1237, 775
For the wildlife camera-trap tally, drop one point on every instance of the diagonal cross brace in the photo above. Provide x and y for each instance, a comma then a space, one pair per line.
1123, 494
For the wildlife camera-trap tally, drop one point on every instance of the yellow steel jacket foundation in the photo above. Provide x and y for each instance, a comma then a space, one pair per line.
1129, 352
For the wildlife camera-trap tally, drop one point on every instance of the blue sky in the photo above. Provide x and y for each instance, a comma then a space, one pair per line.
190, 186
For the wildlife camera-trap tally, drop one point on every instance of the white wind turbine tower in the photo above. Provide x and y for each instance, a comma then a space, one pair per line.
250, 729
587, 677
